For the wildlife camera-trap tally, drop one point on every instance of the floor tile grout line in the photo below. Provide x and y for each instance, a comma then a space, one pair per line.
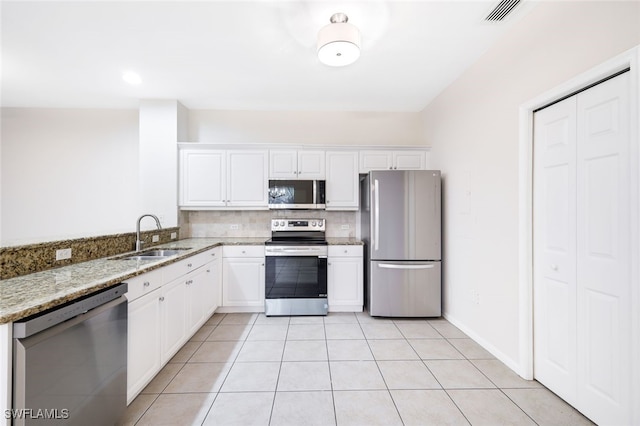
275, 390
333, 399
162, 392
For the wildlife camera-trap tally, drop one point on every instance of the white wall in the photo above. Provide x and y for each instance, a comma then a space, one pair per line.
161, 123
473, 130
305, 127
67, 173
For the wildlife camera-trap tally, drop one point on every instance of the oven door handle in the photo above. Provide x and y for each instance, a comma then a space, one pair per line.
294, 252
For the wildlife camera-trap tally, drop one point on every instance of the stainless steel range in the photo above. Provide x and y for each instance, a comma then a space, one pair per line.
296, 268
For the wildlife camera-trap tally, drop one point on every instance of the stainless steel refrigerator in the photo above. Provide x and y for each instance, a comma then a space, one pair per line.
401, 228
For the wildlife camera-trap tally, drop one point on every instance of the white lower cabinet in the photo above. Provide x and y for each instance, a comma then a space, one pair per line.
173, 314
345, 283
143, 342
243, 278
166, 307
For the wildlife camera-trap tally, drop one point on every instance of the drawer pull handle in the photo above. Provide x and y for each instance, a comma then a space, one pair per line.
161, 298
146, 284
189, 265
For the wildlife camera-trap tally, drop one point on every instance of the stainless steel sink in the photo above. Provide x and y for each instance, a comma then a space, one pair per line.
153, 254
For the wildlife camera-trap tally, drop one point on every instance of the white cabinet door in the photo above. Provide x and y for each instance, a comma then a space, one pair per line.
214, 289
375, 160
345, 283
294, 164
392, 160
143, 342
247, 178
243, 282
199, 297
202, 178
409, 160
311, 165
173, 309
283, 164
342, 181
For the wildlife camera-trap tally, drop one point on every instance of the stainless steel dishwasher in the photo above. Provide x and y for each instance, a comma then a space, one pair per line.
70, 363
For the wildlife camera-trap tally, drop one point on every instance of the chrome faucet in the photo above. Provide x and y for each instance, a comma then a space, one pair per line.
139, 242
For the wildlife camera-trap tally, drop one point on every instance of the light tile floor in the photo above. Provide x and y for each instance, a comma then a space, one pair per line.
342, 369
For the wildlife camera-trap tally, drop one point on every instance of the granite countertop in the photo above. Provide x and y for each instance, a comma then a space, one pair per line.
344, 241
30, 294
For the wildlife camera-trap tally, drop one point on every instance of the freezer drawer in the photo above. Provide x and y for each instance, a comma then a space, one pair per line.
404, 289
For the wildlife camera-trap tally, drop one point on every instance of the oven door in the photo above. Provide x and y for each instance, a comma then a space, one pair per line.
296, 272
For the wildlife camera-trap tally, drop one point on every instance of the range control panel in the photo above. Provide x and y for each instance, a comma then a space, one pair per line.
297, 225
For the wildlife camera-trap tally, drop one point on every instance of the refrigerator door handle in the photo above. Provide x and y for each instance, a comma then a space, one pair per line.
398, 266
376, 213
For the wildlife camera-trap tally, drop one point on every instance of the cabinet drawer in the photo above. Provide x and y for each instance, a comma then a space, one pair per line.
243, 251
143, 284
178, 269
345, 251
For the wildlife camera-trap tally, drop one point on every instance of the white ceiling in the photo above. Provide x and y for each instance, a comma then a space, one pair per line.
238, 55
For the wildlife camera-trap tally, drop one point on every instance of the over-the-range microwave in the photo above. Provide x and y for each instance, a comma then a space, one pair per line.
296, 194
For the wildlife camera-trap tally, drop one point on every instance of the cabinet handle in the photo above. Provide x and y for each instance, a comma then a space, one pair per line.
345, 252
161, 298
189, 265
208, 270
189, 282
243, 252
262, 264
145, 284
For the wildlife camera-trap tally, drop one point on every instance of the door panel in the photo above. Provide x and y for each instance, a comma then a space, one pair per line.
603, 258
405, 289
582, 239
554, 248
406, 215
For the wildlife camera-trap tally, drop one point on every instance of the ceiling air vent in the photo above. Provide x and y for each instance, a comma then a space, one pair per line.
502, 9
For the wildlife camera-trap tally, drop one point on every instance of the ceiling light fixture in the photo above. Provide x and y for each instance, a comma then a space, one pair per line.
338, 42
131, 78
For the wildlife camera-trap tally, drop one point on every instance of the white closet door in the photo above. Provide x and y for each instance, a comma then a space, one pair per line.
603, 251
582, 258
555, 248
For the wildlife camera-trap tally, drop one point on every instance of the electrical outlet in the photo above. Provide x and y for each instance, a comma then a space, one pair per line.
235, 226
63, 254
155, 238
174, 235
345, 226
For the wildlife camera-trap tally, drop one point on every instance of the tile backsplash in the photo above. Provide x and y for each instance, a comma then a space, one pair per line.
246, 223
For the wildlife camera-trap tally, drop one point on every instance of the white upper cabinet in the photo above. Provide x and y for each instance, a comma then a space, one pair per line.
203, 178
220, 179
343, 181
247, 178
296, 164
392, 160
